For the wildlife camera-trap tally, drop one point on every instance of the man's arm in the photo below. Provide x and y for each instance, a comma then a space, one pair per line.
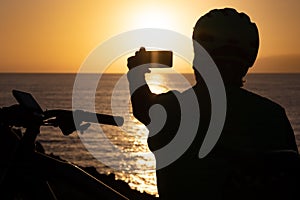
141, 96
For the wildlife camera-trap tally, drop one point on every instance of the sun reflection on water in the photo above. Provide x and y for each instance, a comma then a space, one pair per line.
157, 83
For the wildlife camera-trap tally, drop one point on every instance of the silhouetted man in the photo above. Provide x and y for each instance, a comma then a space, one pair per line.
254, 125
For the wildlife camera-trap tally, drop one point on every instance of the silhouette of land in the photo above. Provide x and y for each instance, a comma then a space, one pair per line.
118, 185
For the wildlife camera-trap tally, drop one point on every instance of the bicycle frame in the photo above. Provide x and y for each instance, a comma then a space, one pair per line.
35, 175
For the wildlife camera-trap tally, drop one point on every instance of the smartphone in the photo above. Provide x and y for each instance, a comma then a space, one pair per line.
28, 101
157, 59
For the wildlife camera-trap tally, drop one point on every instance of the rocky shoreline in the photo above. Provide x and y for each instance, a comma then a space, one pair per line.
118, 185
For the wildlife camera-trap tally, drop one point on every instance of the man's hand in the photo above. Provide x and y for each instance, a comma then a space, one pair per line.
17, 115
137, 60
65, 121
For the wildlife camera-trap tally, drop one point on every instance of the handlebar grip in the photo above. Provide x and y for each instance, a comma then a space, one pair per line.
101, 118
110, 120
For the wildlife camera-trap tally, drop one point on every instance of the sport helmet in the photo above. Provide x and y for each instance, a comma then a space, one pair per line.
228, 35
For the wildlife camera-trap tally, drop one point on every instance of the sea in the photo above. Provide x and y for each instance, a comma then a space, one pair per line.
122, 149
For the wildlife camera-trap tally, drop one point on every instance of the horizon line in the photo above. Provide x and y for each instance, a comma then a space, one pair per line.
126, 72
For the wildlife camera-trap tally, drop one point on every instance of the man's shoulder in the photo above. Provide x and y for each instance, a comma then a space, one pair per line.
259, 100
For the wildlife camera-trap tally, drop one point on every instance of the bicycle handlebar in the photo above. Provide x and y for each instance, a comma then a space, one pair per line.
85, 116
102, 118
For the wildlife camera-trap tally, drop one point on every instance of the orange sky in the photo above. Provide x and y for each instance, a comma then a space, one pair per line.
56, 36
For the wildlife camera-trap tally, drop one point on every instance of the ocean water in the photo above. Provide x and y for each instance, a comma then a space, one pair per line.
131, 160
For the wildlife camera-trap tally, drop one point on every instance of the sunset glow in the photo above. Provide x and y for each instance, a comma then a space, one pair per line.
56, 36
154, 18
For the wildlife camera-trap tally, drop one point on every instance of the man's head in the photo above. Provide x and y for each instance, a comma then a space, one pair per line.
232, 41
